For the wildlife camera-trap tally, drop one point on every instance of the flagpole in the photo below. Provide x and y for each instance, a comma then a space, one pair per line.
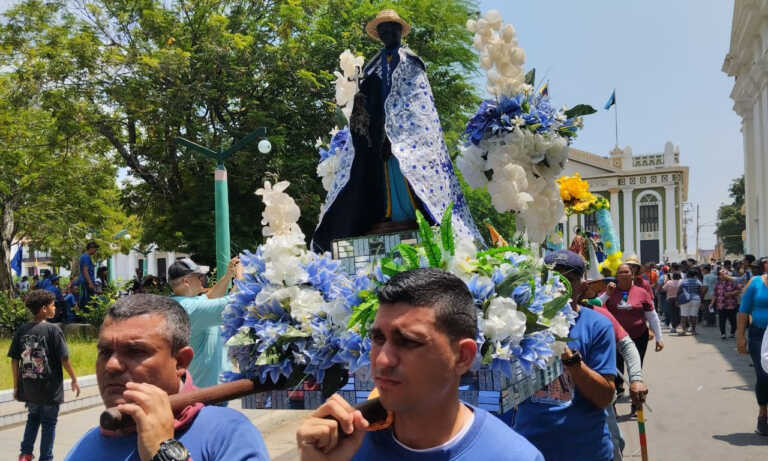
616, 117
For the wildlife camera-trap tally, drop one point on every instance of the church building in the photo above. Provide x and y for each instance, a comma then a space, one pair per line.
647, 194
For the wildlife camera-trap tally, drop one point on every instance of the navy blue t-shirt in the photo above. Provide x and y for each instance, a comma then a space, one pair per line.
487, 439
86, 262
558, 420
216, 434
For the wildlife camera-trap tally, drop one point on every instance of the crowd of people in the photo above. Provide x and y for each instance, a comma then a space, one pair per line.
423, 341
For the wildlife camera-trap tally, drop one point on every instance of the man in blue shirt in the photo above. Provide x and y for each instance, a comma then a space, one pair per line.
204, 310
423, 341
567, 420
143, 354
86, 279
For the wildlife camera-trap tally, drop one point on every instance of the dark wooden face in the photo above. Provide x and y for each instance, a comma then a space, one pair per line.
390, 33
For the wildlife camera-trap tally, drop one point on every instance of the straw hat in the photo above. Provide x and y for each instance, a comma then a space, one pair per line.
386, 16
632, 260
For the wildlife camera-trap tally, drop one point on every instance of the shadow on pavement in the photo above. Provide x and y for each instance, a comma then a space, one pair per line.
741, 364
742, 439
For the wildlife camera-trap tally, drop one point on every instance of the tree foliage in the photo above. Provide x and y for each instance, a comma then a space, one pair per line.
731, 222
141, 72
56, 185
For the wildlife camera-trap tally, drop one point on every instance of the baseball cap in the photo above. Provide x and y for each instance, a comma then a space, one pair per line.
568, 259
185, 266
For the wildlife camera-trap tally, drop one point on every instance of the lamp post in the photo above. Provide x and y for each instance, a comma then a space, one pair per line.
221, 189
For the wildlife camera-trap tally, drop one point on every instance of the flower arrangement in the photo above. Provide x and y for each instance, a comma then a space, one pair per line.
577, 198
524, 313
297, 316
516, 145
289, 316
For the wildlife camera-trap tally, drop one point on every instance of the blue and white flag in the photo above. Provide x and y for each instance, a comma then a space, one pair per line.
611, 100
16, 261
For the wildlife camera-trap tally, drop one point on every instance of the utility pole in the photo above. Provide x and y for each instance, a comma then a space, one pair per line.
698, 227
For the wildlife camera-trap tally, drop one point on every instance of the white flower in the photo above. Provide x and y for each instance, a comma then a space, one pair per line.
346, 82
460, 263
494, 19
472, 166
518, 121
559, 326
327, 169
318, 143
281, 214
307, 303
504, 321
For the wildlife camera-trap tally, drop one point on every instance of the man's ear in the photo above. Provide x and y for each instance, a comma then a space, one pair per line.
467, 353
183, 359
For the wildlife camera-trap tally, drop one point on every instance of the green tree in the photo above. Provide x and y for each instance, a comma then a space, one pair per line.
141, 72
55, 186
731, 222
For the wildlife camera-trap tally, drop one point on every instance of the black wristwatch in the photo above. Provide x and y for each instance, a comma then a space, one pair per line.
573, 360
171, 450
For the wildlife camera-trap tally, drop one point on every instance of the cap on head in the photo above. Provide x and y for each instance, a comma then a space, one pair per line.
91, 245
567, 259
382, 17
185, 266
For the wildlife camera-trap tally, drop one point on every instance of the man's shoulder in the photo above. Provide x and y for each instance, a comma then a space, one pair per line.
93, 445
501, 441
221, 418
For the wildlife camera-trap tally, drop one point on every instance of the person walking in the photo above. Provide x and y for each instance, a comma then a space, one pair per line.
754, 302
633, 307
689, 296
38, 352
709, 280
671, 288
726, 300
87, 276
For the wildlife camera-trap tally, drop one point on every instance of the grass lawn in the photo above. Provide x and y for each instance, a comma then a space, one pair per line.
82, 354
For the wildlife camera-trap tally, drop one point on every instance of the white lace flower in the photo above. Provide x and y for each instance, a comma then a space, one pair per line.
346, 82
559, 326
460, 263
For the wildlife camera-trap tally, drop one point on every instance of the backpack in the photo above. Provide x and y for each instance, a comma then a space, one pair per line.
683, 296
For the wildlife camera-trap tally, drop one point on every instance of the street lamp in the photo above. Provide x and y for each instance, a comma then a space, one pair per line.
221, 189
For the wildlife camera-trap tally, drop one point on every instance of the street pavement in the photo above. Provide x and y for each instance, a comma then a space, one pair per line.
701, 407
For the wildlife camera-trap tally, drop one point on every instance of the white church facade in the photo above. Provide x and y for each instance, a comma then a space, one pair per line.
647, 194
747, 62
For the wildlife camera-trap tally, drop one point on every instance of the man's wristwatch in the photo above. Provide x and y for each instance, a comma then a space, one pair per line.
573, 360
171, 450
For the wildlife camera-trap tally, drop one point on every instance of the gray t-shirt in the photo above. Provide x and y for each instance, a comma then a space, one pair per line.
39, 348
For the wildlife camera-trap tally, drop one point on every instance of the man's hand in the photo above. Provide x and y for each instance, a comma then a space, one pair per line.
659, 346
610, 289
637, 392
318, 436
75, 387
232, 267
151, 410
741, 345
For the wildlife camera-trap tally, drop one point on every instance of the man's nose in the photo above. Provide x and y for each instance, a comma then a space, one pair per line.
385, 357
114, 364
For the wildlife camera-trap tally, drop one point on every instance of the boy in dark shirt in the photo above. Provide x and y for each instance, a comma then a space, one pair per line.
38, 352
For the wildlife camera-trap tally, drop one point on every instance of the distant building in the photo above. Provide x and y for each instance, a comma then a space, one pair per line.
646, 193
747, 62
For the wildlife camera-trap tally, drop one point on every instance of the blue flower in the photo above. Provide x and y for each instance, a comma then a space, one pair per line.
480, 290
522, 294
534, 349
355, 351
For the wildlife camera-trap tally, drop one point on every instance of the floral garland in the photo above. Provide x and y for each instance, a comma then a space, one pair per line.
577, 198
296, 315
516, 145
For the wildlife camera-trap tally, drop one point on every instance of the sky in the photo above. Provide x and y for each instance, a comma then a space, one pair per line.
664, 59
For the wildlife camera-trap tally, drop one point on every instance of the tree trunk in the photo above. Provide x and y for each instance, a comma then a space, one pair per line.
6, 238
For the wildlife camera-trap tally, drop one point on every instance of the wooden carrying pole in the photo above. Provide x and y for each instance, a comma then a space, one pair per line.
111, 419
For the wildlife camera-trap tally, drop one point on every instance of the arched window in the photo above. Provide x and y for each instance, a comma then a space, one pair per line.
649, 214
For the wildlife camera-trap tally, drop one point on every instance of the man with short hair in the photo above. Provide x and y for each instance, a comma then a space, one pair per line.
143, 355
566, 420
423, 341
204, 310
